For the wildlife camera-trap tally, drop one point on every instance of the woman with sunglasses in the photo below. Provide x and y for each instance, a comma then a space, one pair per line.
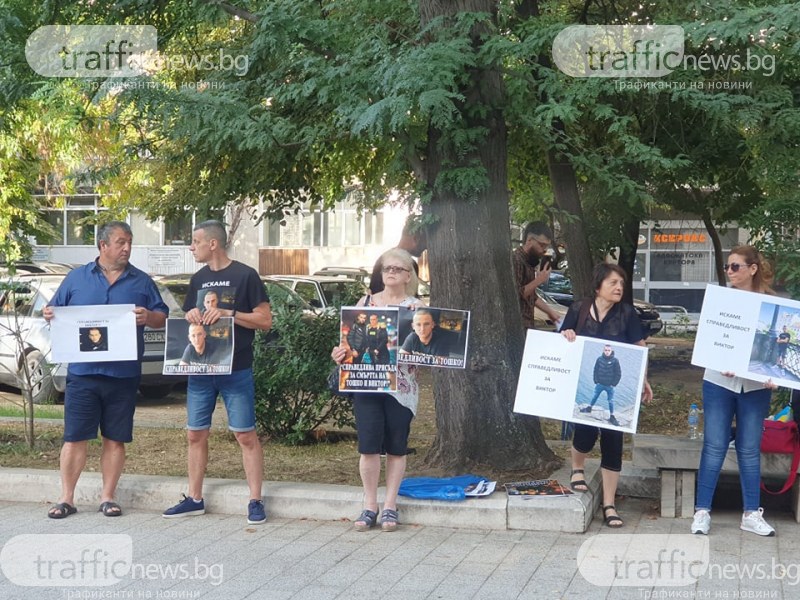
726, 396
383, 420
603, 316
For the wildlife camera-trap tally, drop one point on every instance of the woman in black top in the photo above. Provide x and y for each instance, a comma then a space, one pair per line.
605, 317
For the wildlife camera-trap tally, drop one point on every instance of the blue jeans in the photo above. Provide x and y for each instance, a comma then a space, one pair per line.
719, 407
238, 393
609, 390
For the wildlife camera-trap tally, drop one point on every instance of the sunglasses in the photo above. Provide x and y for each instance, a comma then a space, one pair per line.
394, 269
734, 267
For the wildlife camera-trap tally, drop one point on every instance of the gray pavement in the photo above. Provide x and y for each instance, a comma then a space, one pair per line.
220, 556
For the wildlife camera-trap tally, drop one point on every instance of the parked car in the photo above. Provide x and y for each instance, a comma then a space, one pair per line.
22, 299
540, 319
357, 273
677, 319
559, 287
38, 267
323, 291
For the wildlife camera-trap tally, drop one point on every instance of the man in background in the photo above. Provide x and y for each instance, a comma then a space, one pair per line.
529, 273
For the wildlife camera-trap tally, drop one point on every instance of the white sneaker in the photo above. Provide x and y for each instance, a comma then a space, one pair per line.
754, 522
701, 522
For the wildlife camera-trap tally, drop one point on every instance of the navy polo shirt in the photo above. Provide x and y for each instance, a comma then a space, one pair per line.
87, 285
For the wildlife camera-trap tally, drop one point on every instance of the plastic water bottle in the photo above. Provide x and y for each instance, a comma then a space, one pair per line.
694, 419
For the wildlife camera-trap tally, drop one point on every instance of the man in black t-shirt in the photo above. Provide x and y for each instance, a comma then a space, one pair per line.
240, 294
426, 338
201, 350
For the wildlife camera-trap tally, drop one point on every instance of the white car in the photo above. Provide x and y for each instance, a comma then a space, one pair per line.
22, 299
322, 291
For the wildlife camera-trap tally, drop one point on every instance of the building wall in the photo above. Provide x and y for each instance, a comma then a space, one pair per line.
675, 261
340, 238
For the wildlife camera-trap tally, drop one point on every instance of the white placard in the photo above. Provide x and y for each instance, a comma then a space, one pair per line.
558, 380
96, 333
745, 333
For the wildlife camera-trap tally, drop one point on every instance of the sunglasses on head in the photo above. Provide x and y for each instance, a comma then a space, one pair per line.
734, 267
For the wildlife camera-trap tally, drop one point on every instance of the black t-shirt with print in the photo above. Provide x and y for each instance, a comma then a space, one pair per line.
238, 287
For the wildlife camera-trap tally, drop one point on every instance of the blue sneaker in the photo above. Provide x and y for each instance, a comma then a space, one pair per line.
188, 507
256, 513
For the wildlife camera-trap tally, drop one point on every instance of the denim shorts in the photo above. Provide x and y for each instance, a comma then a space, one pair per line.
94, 401
238, 393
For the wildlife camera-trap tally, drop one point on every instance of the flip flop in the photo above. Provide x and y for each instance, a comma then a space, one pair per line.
110, 509
61, 510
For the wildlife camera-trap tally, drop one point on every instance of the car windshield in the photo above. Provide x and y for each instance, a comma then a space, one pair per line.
336, 291
280, 295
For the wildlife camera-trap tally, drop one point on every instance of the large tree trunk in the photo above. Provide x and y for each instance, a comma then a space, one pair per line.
469, 252
568, 199
627, 251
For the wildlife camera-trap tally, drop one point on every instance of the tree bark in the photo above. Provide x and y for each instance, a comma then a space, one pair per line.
708, 221
469, 252
568, 199
627, 251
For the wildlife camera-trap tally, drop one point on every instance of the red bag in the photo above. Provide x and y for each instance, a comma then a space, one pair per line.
782, 438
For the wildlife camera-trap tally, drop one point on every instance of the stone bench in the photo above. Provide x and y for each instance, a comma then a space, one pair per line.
677, 459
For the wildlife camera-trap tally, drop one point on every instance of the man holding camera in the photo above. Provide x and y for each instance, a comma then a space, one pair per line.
532, 269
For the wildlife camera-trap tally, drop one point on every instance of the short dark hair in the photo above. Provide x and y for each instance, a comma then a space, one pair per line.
602, 271
536, 228
104, 233
215, 230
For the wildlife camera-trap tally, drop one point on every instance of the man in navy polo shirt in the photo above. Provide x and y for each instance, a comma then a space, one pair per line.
103, 394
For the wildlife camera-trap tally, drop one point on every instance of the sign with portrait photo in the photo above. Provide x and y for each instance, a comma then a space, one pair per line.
590, 381
754, 336
198, 349
370, 336
97, 333
433, 337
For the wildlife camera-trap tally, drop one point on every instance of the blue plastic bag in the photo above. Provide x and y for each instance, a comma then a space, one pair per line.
435, 488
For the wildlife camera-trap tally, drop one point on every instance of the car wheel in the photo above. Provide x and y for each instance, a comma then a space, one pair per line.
42, 389
155, 392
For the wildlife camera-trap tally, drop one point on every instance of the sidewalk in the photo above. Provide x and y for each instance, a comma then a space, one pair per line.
221, 557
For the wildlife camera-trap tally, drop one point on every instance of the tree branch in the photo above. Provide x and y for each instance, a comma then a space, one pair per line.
234, 10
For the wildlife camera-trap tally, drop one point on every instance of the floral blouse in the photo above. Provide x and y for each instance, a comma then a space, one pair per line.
407, 393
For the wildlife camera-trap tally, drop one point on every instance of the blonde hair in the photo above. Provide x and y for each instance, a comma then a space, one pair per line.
407, 261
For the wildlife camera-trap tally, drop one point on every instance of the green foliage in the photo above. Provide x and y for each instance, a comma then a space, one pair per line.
290, 376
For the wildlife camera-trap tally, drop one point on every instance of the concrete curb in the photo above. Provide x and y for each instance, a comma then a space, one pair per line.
288, 500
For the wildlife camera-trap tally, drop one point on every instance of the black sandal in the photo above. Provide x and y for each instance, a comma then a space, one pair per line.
613, 521
61, 510
579, 485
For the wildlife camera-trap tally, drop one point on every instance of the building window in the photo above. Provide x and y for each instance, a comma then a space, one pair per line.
145, 232
56, 219
79, 232
178, 231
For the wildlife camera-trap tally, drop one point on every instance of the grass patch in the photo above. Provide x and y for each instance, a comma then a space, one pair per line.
39, 411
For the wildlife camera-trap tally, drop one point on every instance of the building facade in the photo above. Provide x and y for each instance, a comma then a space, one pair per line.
341, 237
